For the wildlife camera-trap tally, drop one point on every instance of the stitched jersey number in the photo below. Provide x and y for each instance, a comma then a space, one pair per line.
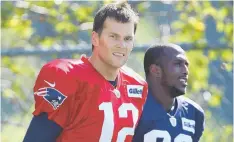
153, 135
108, 124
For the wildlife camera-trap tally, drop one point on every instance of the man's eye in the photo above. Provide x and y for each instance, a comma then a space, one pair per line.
112, 36
128, 39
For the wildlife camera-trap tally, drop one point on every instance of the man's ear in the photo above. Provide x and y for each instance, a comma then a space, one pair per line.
155, 70
95, 38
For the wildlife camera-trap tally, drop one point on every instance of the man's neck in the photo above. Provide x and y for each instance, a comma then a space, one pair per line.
108, 72
162, 95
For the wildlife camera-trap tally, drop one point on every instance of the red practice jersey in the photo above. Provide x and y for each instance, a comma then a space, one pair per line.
86, 105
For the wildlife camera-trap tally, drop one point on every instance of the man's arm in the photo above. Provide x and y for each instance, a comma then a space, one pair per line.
200, 125
41, 129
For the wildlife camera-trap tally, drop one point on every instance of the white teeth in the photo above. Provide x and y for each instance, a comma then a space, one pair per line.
183, 80
118, 54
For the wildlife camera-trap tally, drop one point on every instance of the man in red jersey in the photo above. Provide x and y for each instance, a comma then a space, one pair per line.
92, 99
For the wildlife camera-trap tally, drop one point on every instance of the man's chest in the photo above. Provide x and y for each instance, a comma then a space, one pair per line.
111, 114
171, 129
120, 111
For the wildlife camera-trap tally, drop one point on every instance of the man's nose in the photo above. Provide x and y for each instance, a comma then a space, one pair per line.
122, 44
185, 70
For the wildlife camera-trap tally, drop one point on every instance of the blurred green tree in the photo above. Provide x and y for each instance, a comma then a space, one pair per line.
191, 28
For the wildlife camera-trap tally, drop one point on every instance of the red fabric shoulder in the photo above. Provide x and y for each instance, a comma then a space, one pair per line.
132, 75
54, 90
135, 81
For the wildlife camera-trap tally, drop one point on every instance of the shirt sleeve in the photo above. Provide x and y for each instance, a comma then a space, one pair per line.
54, 93
139, 133
41, 129
145, 94
139, 130
200, 126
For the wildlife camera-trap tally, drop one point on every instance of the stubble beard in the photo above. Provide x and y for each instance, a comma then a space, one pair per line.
173, 91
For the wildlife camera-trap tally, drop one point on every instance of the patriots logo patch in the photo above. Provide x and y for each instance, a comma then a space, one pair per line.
52, 96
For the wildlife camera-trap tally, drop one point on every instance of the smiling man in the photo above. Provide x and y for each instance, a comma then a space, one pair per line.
89, 99
167, 116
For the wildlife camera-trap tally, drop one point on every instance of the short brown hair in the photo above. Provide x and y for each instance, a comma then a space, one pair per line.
121, 12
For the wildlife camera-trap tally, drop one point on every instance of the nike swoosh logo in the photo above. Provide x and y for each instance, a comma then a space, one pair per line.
50, 84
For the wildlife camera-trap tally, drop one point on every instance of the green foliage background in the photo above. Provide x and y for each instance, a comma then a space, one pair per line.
19, 73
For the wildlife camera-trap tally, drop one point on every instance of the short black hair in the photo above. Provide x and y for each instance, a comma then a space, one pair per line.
121, 12
154, 55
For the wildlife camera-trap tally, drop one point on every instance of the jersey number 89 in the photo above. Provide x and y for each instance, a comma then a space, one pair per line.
153, 135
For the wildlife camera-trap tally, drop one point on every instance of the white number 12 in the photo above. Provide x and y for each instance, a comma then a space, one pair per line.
108, 124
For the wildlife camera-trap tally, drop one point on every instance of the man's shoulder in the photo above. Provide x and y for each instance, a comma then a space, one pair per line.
190, 103
65, 66
131, 75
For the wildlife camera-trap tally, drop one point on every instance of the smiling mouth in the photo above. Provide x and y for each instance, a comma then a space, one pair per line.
118, 54
183, 81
